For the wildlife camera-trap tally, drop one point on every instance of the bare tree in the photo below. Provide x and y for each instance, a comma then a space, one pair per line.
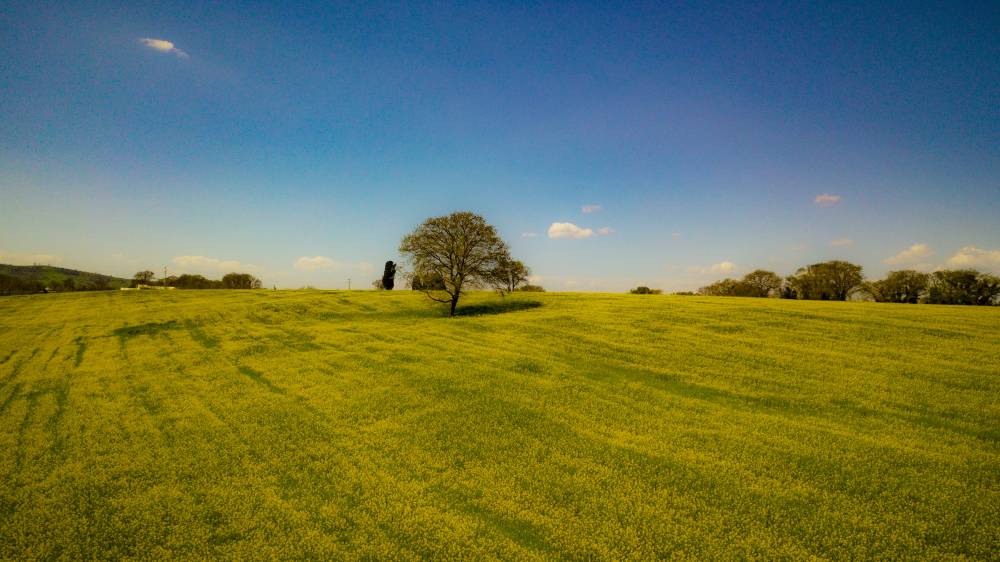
461, 248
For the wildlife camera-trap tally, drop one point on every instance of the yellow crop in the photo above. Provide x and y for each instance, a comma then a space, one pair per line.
347, 425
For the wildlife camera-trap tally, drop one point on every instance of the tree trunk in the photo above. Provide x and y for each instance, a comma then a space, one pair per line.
454, 302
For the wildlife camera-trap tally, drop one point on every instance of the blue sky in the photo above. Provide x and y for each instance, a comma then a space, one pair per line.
302, 141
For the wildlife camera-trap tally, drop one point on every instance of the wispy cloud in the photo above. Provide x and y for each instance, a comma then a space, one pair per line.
976, 258
911, 255
841, 242
315, 263
827, 199
163, 46
323, 263
723, 267
28, 259
675, 235
528, 235
587, 209
569, 230
204, 264
572, 231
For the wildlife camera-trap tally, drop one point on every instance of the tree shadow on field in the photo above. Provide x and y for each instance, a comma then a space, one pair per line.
496, 307
147, 329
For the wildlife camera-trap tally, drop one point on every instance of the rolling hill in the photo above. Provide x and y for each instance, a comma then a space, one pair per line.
48, 275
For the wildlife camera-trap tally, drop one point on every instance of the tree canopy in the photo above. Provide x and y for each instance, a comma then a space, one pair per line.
831, 280
461, 250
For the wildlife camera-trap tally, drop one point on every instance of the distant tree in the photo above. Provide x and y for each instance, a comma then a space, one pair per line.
68, 284
240, 281
189, 281
906, 286
963, 286
100, 284
760, 283
389, 276
788, 289
508, 275
143, 277
643, 290
462, 248
832, 280
378, 284
426, 281
529, 288
9, 284
723, 288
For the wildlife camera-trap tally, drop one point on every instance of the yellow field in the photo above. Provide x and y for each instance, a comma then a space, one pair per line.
359, 424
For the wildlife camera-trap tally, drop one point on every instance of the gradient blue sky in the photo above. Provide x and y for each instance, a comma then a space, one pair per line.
704, 133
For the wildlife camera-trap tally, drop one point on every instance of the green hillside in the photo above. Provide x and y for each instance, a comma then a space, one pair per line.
51, 276
347, 425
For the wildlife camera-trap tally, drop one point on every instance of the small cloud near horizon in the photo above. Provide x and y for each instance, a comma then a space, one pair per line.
605, 231
716, 268
204, 263
827, 199
588, 209
976, 258
314, 263
163, 46
911, 255
29, 259
841, 242
323, 263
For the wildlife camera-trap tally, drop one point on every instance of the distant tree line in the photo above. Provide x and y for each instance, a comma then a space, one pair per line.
840, 280
190, 281
10, 285
644, 290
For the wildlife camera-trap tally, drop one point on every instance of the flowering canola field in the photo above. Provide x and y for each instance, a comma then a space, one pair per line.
278, 424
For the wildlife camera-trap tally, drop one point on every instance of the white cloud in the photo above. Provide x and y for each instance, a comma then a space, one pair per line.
911, 255
528, 235
827, 199
202, 264
323, 263
29, 259
723, 267
605, 230
587, 209
315, 263
976, 258
163, 46
715, 268
675, 235
839, 242
569, 230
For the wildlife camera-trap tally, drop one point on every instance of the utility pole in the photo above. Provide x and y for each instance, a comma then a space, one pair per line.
348, 283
